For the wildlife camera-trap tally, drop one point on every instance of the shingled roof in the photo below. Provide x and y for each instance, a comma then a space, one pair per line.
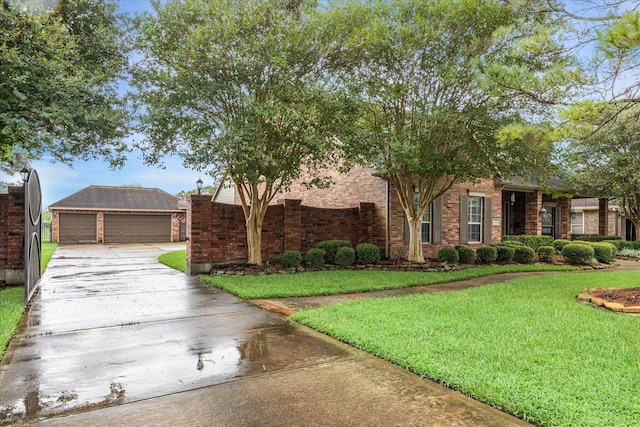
97, 197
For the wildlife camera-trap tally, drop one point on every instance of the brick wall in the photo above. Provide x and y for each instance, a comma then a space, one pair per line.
217, 232
12, 236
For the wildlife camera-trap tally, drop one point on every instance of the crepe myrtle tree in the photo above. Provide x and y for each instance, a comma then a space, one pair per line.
452, 91
236, 88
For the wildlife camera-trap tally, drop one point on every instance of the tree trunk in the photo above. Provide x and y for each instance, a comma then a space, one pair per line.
414, 253
254, 236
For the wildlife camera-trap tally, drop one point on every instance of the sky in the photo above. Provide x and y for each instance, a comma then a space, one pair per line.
59, 180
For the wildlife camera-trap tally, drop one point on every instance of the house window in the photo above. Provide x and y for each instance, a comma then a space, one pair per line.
426, 220
577, 223
475, 209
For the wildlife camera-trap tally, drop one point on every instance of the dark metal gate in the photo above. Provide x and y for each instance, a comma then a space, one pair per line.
33, 233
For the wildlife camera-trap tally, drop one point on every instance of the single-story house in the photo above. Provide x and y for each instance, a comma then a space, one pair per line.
471, 214
585, 219
100, 214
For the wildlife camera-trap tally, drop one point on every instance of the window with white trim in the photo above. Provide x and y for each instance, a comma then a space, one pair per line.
475, 210
577, 223
426, 220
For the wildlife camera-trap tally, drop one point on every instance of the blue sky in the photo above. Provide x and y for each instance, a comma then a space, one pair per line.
59, 180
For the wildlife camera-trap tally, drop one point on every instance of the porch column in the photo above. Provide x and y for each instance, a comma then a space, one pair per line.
603, 217
533, 219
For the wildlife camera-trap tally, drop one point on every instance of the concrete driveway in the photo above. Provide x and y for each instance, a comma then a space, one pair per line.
114, 338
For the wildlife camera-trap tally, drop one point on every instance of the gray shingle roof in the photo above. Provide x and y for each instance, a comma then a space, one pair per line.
119, 198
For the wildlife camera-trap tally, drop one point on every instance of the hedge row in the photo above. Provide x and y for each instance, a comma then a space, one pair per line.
338, 252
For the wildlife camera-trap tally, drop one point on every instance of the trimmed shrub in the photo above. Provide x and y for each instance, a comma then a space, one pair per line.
604, 252
510, 243
558, 244
466, 255
331, 247
636, 244
448, 254
523, 255
290, 259
616, 243
315, 258
486, 254
546, 253
532, 241
595, 238
368, 253
345, 256
578, 254
504, 253
624, 244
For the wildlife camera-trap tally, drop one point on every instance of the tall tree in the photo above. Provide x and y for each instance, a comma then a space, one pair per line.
58, 75
234, 87
451, 91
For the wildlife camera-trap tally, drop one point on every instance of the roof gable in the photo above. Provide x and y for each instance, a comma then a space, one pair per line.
119, 198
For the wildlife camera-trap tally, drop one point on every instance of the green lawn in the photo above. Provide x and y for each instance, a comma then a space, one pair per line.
12, 302
176, 260
334, 282
526, 346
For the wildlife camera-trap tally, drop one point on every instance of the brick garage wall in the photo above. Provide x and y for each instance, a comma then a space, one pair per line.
12, 236
450, 218
217, 232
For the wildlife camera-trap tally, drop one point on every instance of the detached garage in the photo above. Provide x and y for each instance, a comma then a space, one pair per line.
99, 214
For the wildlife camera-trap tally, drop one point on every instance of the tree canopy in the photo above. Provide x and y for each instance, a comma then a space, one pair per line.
235, 88
452, 91
58, 75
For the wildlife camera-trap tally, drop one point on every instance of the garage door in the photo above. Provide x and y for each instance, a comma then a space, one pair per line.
77, 228
137, 228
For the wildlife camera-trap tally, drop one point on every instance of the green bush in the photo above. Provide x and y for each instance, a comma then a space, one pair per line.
345, 256
532, 241
546, 253
624, 244
578, 254
604, 252
636, 244
331, 247
616, 243
558, 244
466, 255
595, 238
486, 254
290, 259
504, 252
368, 253
315, 258
448, 254
523, 254
510, 243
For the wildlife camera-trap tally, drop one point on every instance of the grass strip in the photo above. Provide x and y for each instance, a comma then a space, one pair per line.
526, 347
176, 260
334, 282
11, 309
47, 252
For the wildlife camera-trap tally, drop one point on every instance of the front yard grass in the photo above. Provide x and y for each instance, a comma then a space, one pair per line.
526, 347
335, 282
12, 302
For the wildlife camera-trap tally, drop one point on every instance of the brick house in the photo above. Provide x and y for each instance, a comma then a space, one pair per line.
472, 214
586, 218
102, 214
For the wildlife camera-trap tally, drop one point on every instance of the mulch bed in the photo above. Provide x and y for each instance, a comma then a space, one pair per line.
627, 297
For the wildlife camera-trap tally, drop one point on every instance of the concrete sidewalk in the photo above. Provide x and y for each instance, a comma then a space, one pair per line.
114, 338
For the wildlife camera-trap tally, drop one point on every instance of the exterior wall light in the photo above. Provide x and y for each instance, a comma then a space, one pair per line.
199, 184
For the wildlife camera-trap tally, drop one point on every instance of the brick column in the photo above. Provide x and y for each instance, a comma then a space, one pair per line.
365, 223
565, 218
603, 217
198, 234
533, 219
12, 242
292, 225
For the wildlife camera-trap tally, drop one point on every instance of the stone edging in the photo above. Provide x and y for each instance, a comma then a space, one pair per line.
613, 306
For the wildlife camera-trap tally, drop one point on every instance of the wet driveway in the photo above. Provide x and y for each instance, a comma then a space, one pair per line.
115, 338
